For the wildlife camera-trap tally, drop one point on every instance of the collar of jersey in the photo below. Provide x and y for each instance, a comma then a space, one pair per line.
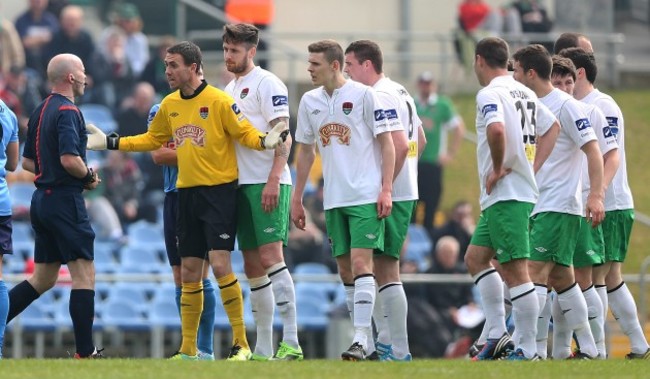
197, 91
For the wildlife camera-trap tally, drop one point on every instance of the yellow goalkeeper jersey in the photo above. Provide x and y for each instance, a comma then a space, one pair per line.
203, 127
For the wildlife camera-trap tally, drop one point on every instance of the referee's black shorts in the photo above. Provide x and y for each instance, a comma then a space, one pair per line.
207, 219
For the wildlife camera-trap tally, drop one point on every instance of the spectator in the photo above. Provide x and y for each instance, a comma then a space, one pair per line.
137, 44
438, 117
154, 71
12, 53
36, 27
475, 20
24, 92
460, 225
529, 16
123, 186
56, 6
132, 120
113, 75
71, 37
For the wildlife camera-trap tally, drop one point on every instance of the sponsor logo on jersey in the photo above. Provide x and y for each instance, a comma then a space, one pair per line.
612, 122
591, 253
170, 145
193, 133
541, 249
173, 114
371, 236
243, 93
583, 124
224, 236
607, 132
487, 108
379, 115
235, 108
270, 229
334, 130
347, 107
391, 114
279, 100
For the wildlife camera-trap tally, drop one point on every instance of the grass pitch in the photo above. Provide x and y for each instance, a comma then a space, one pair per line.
313, 369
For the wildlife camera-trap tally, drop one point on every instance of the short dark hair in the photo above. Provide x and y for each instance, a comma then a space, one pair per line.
563, 66
190, 53
241, 33
582, 59
494, 50
566, 40
330, 48
365, 50
535, 57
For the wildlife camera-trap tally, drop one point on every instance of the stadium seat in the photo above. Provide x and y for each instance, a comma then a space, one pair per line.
99, 115
105, 261
133, 293
141, 259
311, 314
123, 315
321, 292
164, 312
311, 268
237, 261
419, 247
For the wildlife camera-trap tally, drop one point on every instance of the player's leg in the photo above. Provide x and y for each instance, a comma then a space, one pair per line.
391, 291
488, 281
4, 301
590, 252
508, 225
271, 234
219, 215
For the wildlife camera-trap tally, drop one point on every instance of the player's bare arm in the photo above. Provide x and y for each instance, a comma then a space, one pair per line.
28, 165
76, 167
13, 155
305, 159
271, 191
401, 150
594, 209
611, 161
385, 201
165, 156
545, 144
496, 137
422, 141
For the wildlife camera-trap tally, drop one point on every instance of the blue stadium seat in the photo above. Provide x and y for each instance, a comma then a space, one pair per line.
237, 261
141, 259
123, 315
419, 247
311, 314
163, 312
21, 194
150, 235
321, 292
133, 293
99, 115
105, 261
311, 268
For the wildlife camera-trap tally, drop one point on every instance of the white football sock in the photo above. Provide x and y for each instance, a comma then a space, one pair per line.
364, 302
561, 332
624, 310
285, 299
491, 289
595, 316
396, 309
543, 320
525, 310
262, 301
574, 308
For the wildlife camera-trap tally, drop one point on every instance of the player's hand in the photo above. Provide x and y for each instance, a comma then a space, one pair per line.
384, 204
493, 178
270, 196
595, 210
298, 214
276, 136
96, 138
92, 185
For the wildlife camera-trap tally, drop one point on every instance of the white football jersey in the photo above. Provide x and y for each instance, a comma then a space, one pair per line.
560, 177
514, 105
345, 126
606, 142
262, 97
618, 195
399, 109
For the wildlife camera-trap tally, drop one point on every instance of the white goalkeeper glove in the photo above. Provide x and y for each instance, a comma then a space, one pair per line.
276, 136
98, 140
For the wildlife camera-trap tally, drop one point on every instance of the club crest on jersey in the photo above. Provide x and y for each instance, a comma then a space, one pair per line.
347, 107
193, 133
243, 93
583, 124
334, 130
280, 100
203, 112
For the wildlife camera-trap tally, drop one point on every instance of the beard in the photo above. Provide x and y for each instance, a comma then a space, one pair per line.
237, 67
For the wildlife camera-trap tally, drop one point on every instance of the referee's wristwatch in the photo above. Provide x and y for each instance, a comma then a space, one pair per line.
89, 178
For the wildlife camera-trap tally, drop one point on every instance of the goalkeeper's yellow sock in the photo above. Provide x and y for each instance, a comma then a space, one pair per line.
233, 303
191, 308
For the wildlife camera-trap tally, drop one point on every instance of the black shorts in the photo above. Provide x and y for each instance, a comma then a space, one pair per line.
207, 219
6, 247
170, 214
61, 226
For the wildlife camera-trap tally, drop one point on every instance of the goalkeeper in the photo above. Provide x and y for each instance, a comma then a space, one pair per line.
204, 122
